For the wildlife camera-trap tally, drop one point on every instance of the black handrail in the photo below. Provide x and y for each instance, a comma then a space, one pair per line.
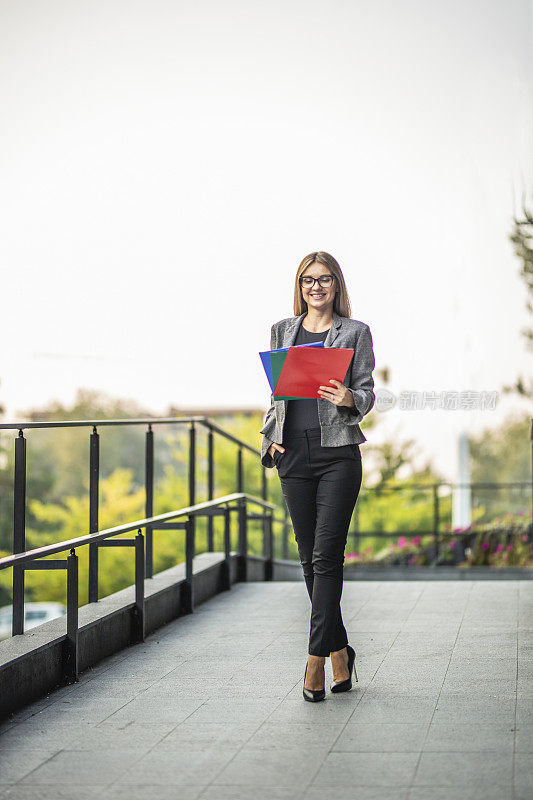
97, 423
79, 541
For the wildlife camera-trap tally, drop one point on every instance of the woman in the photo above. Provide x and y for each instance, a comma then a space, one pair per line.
314, 444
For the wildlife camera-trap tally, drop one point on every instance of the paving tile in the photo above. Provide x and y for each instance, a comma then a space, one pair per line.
371, 737
255, 766
489, 768
524, 737
85, 710
139, 737
181, 767
483, 792
335, 708
360, 793
382, 707
58, 791
15, 764
34, 735
158, 710
281, 736
81, 767
375, 769
237, 792
460, 736
523, 774
152, 791
204, 735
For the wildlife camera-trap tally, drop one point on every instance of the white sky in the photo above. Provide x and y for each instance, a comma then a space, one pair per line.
165, 166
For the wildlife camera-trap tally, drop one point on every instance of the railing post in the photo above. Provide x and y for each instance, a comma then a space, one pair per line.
356, 540
94, 480
243, 540
149, 500
264, 493
285, 533
227, 548
210, 487
19, 533
70, 659
436, 520
267, 547
531, 517
188, 598
192, 473
240, 475
138, 612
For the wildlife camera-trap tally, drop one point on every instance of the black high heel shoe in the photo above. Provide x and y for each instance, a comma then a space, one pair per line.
313, 695
345, 686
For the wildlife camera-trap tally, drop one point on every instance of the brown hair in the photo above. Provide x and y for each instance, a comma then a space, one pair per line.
341, 303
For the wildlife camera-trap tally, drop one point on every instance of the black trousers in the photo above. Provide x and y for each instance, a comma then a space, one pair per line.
320, 486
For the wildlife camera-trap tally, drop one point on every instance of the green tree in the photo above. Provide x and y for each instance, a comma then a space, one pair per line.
522, 239
502, 455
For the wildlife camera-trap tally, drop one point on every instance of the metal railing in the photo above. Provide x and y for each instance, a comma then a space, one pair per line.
35, 559
19, 500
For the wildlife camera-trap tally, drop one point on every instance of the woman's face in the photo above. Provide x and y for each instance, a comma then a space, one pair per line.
317, 296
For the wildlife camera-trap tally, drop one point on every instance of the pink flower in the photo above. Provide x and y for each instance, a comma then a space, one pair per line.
499, 548
485, 545
509, 547
453, 543
412, 560
521, 513
401, 541
415, 540
524, 537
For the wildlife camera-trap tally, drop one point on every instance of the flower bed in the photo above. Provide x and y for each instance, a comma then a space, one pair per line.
504, 542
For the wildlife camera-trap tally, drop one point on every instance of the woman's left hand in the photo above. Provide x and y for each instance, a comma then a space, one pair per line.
339, 394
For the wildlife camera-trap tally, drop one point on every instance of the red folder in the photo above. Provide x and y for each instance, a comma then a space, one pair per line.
307, 368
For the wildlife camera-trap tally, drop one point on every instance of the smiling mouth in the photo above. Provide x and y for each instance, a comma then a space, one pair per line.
317, 295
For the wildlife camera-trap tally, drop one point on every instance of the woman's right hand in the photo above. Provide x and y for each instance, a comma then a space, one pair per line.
273, 447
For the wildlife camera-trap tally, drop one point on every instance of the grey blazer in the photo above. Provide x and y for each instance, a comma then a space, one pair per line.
338, 424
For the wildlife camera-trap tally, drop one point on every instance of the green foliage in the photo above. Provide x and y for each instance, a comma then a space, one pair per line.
502, 455
522, 237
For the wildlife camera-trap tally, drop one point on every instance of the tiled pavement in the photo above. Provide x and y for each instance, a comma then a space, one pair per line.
211, 706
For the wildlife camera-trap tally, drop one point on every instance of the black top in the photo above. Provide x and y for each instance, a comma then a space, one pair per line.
302, 412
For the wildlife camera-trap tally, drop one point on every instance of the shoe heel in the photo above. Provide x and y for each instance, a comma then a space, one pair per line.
313, 695
345, 686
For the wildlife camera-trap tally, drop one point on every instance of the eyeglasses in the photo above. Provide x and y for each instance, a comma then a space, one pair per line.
323, 280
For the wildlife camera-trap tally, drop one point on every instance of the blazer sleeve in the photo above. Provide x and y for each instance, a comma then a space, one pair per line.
361, 383
269, 422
